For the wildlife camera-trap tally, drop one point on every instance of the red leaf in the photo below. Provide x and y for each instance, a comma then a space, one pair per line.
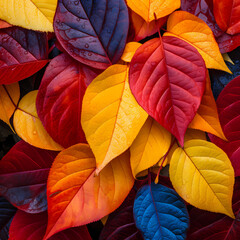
228, 104
226, 13
59, 100
23, 176
33, 227
22, 53
92, 32
168, 79
211, 226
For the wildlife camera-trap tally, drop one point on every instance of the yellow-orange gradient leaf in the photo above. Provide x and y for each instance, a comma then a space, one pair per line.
76, 196
130, 50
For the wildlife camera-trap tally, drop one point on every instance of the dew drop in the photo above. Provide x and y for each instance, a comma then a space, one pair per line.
78, 12
86, 45
26, 52
89, 54
76, 2
57, 21
78, 19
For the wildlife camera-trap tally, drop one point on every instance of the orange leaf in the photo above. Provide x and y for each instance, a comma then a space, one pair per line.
148, 9
4, 24
9, 97
76, 196
206, 118
130, 50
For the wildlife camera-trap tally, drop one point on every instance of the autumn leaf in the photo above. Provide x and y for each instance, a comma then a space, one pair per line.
111, 117
196, 32
130, 50
76, 196
31, 14
202, 175
29, 127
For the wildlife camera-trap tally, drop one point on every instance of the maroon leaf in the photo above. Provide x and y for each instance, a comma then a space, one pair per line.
23, 176
211, 226
92, 32
33, 227
59, 100
22, 53
228, 104
168, 79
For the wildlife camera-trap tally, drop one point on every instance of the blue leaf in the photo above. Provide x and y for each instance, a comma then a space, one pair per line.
93, 32
160, 213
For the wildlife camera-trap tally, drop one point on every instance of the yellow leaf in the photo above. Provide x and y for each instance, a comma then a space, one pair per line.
148, 8
29, 127
9, 97
206, 118
151, 144
31, 14
227, 58
203, 176
130, 50
76, 196
111, 117
196, 32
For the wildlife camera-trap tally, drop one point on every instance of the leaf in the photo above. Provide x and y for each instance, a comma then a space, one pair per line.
210, 226
92, 32
226, 14
155, 207
206, 118
227, 58
31, 14
6, 212
228, 104
111, 117
193, 30
29, 127
73, 184
151, 9
22, 53
150, 145
33, 226
59, 99
202, 175
4, 24
129, 51
23, 176
9, 97
158, 70
144, 29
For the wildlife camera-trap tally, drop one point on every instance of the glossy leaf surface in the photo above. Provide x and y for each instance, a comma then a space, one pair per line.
33, 226
155, 207
59, 100
29, 127
202, 175
31, 14
76, 196
150, 145
23, 176
111, 117
22, 53
97, 33
9, 97
196, 32
162, 84
130, 50
151, 9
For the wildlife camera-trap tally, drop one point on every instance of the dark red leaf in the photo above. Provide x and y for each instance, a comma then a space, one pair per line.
168, 79
214, 226
92, 32
22, 53
23, 176
228, 104
33, 227
59, 100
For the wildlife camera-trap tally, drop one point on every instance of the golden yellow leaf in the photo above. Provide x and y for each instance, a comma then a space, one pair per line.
129, 51
29, 127
206, 118
227, 58
150, 145
76, 196
9, 97
111, 117
147, 9
202, 175
196, 32
31, 14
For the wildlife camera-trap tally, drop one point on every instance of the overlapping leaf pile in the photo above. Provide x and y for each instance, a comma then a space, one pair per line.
122, 93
